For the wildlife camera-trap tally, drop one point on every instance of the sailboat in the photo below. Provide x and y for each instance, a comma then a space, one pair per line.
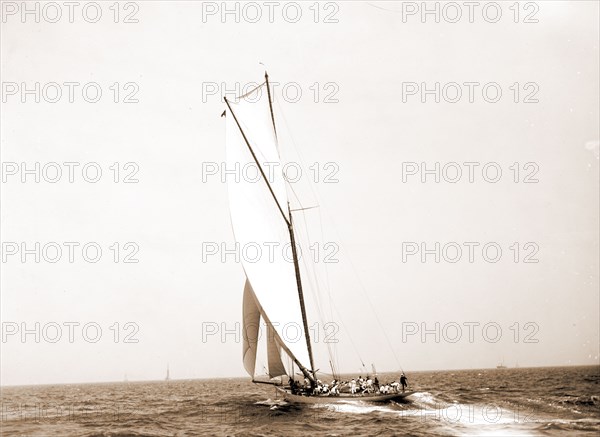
168, 377
261, 216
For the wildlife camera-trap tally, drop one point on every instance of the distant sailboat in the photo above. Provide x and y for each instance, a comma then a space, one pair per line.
501, 365
168, 377
261, 215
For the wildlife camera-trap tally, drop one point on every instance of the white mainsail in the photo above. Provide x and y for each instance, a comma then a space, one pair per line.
260, 228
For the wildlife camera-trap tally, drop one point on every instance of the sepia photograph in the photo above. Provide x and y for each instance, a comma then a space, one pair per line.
300, 218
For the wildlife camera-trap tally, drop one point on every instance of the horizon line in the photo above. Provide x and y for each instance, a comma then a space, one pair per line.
246, 376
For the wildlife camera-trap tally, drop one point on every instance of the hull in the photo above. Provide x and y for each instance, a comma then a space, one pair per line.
343, 397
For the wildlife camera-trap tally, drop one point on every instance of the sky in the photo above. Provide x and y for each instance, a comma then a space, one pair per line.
141, 194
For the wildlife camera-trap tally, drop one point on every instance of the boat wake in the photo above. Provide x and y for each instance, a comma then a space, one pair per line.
274, 404
448, 417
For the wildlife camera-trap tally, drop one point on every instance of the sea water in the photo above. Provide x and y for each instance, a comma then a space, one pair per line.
494, 402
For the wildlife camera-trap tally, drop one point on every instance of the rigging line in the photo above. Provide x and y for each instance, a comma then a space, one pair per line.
375, 313
316, 197
383, 9
314, 279
316, 291
364, 290
314, 282
339, 317
304, 209
349, 336
244, 125
310, 185
291, 187
295, 194
332, 354
297, 149
313, 191
321, 318
328, 286
243, 96
314, 285
294, 144
333, 307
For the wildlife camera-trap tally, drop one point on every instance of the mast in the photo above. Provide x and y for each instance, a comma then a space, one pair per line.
290, 224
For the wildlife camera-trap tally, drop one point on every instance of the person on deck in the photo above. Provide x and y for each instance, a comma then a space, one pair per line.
293, 387
353, 386
361, 383
308, 386
403, 381
333, 391
368, 385
319, 387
